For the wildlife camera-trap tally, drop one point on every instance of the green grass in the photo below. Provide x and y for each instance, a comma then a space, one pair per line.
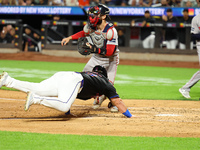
33, 141
132, 82
155, 82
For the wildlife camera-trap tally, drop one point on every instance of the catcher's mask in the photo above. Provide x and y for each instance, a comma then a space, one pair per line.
101, 70
94, 14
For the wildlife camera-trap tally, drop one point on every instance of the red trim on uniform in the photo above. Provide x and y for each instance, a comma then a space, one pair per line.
110, 49
77, 35
99, 51
112, 33
111, 82
117, 58
116, 64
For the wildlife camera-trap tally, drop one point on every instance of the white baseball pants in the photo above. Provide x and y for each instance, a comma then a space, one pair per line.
183, 46
171, 44
196, 76
149, 41
58, 91
109, 63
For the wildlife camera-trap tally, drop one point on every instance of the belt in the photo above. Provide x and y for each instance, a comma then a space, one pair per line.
103, 56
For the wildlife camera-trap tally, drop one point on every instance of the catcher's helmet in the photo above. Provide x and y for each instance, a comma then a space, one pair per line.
104, 10
93, 14
101, 70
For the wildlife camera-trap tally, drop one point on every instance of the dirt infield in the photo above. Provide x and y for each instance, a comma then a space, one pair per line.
156, 118
34, 56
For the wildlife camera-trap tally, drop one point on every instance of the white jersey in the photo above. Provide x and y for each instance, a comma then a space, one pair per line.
195, 26
101, 38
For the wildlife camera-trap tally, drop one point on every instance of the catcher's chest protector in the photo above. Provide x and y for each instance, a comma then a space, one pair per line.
98, 37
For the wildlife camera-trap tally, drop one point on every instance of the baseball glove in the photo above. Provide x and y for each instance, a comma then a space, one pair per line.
84, 46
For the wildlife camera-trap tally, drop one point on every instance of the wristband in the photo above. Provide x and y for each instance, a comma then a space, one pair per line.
101, 51
127, 114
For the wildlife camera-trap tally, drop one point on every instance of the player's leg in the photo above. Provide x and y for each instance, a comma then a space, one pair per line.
173, 43
145, 42
112, 70
105, 62
186, 88
168, 44
91, 64
152, 41
195, 78
44, 88
94, 60
191, 45
182, 46
111, 67
68, 86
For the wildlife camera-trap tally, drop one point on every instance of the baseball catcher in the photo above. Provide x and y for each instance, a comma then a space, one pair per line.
100, 38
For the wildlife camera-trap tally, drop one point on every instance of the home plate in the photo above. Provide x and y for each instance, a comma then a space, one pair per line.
171, 115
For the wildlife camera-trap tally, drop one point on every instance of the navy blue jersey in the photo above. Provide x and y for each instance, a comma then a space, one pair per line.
171, 33
182, 31
95, 85
146, 31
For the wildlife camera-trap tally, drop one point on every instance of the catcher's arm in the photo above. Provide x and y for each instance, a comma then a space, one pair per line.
66, 40
121, 106
75, 36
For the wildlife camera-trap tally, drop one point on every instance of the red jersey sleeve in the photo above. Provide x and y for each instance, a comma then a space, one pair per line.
110, 49
77, 35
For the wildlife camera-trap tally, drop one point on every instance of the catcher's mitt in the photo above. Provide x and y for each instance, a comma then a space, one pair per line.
84, 46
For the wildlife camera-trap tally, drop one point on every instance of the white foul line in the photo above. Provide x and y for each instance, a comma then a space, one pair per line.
10, 99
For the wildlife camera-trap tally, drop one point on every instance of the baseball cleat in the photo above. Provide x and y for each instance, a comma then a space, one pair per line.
96, 106
98, 101
3, 78
114, 109
185, 93
29, 101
